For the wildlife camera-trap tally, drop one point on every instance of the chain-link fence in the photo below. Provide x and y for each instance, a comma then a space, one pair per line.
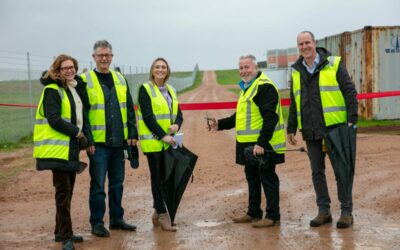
20, 89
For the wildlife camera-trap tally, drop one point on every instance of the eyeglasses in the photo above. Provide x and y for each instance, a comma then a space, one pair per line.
67, 68
104, 55
160, 66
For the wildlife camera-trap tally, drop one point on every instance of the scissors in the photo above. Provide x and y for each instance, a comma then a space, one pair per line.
208, 121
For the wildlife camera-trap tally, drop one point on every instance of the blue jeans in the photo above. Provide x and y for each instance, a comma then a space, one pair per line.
111, 160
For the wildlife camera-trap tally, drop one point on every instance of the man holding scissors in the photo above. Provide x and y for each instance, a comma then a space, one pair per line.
259, 124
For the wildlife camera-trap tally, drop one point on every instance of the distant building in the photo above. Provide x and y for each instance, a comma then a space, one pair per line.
277, 58
292, 56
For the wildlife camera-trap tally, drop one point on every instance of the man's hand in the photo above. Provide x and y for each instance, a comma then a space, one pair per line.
212, 124
291, 139
258, 150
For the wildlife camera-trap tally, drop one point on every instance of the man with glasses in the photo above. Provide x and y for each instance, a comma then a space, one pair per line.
113, 124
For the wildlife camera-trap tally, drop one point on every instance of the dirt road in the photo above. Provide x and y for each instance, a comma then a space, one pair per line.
219, 191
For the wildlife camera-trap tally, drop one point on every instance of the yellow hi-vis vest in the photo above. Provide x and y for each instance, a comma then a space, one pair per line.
164, 116
97, 115
333, 104
49, 143
249, 120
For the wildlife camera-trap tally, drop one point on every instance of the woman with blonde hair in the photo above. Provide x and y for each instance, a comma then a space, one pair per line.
159, 118
59, 134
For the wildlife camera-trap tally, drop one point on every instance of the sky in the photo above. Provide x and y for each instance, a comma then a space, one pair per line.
210, 33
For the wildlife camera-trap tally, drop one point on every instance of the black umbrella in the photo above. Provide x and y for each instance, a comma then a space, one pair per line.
341, 143
178, 168
261, 160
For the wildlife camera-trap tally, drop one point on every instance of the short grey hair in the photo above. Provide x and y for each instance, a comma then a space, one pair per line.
102, 44
308, 32
249, 56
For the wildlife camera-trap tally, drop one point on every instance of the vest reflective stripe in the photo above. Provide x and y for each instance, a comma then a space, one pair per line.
45, 121
49, 143
332, 100
162, 114
160, 117
249, 120
97, 116
279, 147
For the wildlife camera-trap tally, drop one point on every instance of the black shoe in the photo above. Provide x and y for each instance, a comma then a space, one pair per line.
74, 238
100, 231
68, 245
122, 225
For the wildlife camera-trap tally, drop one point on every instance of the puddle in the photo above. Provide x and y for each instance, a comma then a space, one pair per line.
208, 223
234, 192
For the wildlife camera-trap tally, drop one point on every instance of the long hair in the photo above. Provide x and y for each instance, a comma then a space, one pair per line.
55, 68
151, 77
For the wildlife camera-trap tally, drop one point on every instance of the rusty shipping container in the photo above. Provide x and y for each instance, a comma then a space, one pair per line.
372, 57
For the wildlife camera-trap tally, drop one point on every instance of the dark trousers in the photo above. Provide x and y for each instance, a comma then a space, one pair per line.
269, 180
106, 161
64, 184
317, 159
156, 162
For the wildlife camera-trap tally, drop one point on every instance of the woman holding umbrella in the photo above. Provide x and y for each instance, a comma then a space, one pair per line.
159, 119
59, 134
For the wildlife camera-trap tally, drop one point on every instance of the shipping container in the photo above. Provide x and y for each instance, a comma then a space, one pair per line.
372, 57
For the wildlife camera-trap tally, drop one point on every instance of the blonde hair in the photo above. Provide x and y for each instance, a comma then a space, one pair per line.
151, 77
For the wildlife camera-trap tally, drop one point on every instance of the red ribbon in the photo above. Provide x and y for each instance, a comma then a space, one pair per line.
232, 105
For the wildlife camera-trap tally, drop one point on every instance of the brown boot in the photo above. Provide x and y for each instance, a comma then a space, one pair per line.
265, 223
344, 221
245, 219
320, 220
154, 219
165, 222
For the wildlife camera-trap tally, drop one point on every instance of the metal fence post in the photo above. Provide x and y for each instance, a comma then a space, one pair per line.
30, 88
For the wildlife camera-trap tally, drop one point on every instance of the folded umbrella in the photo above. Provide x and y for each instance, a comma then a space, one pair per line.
178, 168
341, 143
261, 160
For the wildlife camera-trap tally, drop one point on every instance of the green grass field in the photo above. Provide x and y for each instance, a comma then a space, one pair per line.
228, 77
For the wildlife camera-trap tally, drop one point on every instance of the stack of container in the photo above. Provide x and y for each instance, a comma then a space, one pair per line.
372, 57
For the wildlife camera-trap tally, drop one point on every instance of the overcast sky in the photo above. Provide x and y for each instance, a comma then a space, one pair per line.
212, 33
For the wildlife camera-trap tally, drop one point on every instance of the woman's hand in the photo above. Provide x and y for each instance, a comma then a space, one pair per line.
173, 128
169, 140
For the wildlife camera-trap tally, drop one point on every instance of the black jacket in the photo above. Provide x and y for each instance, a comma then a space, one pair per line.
52, 111
266, 99
144, 101
313, 124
